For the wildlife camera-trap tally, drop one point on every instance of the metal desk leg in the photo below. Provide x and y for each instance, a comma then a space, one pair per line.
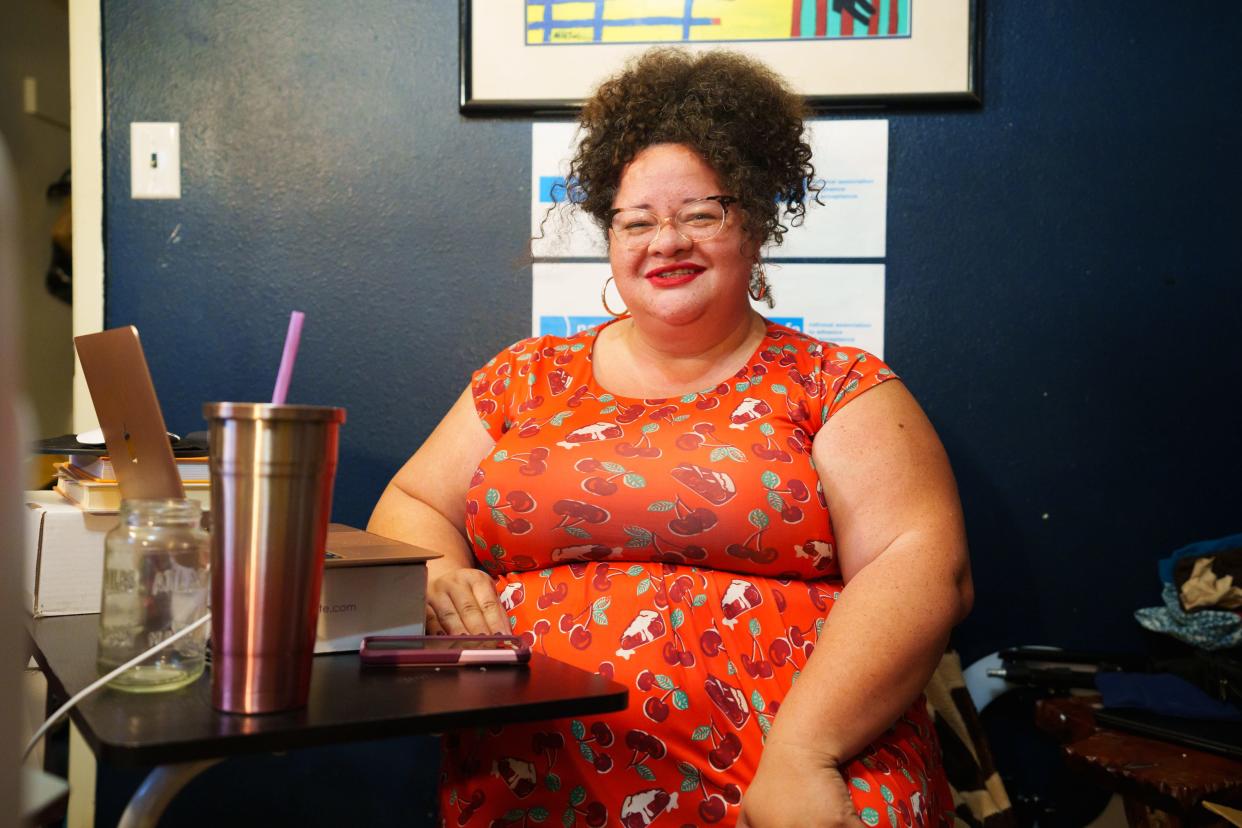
82, 772
157, 790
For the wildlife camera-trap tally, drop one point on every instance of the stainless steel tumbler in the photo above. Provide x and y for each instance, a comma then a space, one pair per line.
272, 470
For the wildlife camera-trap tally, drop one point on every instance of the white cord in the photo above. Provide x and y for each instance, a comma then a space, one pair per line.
102, 680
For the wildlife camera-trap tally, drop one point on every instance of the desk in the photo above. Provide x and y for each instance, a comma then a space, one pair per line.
1149, 773
347, 703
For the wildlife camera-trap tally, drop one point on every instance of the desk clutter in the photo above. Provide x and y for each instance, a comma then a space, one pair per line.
156, 582
90, 482
64, 552
65, 527
132, 541
1201, 599
371, 585
1169, 699
1164, 728
1163, 783
89, 447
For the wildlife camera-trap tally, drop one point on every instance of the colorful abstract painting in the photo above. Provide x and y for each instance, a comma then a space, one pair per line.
566, 22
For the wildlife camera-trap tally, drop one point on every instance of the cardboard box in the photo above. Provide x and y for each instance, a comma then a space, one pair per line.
358, 601
371, 586
63, 556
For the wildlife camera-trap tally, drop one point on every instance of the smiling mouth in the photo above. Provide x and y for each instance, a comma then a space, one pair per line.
674, 275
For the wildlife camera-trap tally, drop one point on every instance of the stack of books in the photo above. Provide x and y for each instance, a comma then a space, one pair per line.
90, 483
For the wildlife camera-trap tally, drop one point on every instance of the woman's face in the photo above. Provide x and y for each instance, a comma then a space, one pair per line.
674, 280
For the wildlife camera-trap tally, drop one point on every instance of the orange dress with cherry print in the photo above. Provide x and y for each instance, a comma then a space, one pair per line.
682, 547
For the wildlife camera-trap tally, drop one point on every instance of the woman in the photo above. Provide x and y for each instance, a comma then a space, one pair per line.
650, 499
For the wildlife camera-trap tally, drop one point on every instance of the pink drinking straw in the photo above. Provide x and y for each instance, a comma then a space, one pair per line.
285, 374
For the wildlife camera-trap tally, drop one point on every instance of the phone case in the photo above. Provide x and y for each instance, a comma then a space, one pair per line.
446, 650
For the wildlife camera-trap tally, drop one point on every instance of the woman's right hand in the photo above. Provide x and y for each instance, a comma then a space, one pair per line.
463, 601
797, 787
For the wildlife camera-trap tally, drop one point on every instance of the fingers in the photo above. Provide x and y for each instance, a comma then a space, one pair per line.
795, 796
433, 626
489, 606
846, 820
464, 603
445, 604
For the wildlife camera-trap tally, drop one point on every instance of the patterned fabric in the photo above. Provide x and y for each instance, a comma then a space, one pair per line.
1205, 629
682, 547
979, 796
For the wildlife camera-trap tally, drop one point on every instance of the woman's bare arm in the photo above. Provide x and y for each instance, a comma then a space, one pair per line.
901, 545
425, 504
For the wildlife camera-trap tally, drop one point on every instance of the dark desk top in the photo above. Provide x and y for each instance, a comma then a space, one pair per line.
347, 703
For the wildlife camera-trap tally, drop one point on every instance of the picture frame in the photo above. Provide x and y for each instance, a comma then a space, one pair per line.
933, 62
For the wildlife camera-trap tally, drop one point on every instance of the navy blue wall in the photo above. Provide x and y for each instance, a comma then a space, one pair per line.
1063, 292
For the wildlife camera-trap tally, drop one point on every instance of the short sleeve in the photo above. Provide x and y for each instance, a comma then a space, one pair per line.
847, 373
490, 388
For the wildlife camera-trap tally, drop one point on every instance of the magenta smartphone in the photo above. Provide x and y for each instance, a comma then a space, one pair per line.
442, 650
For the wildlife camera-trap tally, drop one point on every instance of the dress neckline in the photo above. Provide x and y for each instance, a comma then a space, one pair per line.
598, 389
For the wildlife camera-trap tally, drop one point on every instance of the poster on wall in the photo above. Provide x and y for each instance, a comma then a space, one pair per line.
547, 55
557, 231
846, 222
840, 303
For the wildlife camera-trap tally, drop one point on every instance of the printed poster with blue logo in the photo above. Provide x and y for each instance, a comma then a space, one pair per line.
847, 222
841, 303
836, 301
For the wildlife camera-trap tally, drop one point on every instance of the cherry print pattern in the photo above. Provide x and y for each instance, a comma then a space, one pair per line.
681, 547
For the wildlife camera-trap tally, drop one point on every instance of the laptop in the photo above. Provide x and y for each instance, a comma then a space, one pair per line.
1211, 735
129, 414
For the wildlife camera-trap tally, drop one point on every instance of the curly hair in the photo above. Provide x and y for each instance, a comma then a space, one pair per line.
735, 112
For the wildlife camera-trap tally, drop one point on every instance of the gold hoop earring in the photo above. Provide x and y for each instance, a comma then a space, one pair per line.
603, 298
759, 289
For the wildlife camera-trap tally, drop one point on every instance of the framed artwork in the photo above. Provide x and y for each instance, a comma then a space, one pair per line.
546, 56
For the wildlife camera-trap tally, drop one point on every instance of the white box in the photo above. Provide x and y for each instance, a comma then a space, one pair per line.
357, 601
63, 556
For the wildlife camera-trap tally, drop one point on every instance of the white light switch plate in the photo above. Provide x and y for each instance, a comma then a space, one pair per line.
155, 160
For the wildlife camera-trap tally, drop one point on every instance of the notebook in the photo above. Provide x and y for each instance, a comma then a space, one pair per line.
129, 414
347, 546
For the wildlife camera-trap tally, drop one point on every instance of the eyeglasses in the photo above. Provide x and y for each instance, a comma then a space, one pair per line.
697, 221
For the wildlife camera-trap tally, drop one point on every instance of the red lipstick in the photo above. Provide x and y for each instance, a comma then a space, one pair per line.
671, 275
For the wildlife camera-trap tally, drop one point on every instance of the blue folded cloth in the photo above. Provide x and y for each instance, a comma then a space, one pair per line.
1162, 693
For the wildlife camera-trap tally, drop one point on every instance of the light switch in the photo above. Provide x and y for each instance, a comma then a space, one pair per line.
155, 160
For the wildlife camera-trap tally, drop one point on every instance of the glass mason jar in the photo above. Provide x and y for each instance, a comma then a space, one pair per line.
157, 579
